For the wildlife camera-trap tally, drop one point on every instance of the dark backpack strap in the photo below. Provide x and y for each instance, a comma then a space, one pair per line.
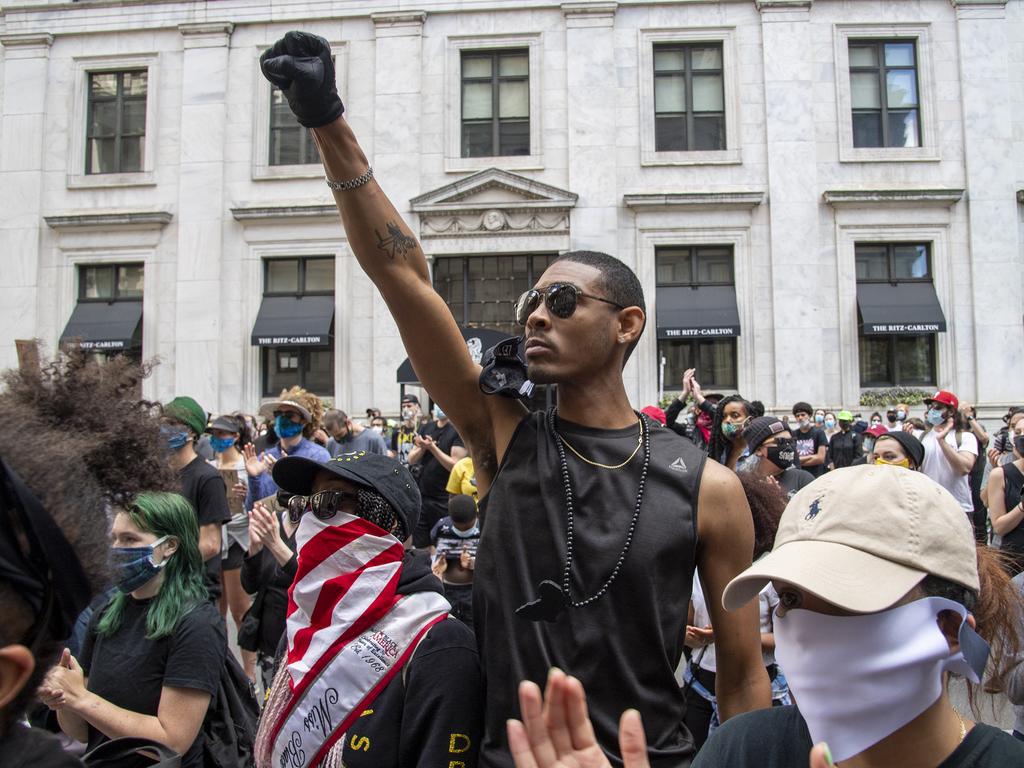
132, 752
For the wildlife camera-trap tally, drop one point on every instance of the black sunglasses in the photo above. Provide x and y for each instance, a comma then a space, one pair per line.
324, 504
560, 299
290, 415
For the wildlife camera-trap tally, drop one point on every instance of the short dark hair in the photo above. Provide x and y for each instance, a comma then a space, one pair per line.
756, 409
462, 509
617, 282
802, 407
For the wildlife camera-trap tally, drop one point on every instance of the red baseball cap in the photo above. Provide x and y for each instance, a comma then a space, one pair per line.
655, 413
877, 431
943, 397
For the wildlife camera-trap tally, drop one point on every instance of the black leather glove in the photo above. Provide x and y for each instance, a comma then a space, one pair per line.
300, 64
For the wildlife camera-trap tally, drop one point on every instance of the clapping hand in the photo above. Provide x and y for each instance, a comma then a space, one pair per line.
466, 560
943, 429
301, 65
64, 684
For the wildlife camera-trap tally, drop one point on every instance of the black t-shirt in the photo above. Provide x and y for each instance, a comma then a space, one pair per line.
843, 449
778, 738
807, 444
129, 670
203, 486
625, 645
429, 715
433, 479
24, 747
793, 479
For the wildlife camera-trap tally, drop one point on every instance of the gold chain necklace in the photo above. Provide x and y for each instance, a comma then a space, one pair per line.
963, 726
639, 442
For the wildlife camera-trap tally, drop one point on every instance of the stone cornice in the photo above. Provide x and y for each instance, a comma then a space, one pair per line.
270, 213
783, 5
589, 14
202, 35
398, 23
534, 195
27, 40
722, 200
861, 197
110, 219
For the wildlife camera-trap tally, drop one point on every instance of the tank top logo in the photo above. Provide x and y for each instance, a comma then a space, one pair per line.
678, 465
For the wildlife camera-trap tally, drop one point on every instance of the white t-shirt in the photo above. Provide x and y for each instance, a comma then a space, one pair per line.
937, 466
767, 599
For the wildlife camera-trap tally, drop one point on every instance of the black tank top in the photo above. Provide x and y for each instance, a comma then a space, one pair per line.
625, 646
1013, 542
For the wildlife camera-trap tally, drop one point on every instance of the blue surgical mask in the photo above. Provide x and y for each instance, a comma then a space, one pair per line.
935, 417
829, 424
438, 413
221, 444
468, 533
285, 427
176, 439
134, 566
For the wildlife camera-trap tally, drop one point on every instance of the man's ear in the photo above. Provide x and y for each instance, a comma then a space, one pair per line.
631, 324
16, 666
949, 622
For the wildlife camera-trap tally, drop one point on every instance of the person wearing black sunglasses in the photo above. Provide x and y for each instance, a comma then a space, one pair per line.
590, 530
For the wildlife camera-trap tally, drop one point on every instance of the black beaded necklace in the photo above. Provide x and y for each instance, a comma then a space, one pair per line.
552, 598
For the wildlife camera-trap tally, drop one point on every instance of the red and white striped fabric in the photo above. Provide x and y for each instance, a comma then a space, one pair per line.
349, 632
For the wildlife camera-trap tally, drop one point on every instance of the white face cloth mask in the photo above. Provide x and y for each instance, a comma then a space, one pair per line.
858, 679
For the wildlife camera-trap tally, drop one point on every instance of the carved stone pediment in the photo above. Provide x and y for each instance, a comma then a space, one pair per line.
494, 202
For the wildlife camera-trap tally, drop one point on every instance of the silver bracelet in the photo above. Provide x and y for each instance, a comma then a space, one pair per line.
358, 181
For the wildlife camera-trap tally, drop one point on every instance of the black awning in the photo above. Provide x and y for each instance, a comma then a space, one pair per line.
290, 321
708, 311
901, 308
478, 341
103, 325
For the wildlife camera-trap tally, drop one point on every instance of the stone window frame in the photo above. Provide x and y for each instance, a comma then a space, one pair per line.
929, 151
262, 170
454, 162
84, 66
724, 36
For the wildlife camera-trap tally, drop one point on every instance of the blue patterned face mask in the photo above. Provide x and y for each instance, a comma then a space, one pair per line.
285, 427
134, 566
176, 439
221, 444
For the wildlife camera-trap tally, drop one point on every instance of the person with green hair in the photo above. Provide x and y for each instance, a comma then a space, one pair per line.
152, 659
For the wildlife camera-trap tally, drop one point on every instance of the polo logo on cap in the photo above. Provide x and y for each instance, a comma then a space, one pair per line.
350, 456
814, 510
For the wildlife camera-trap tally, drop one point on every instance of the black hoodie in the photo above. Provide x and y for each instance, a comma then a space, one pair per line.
430, 715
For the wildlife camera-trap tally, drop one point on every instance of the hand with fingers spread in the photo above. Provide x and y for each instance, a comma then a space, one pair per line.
559, 734
301, 65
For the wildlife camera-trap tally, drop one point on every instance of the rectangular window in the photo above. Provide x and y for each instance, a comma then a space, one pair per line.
696, 266
689, 97
290, 143
116, 122
110, 282
895, 360
495, 103
309, 275
884, 96
714, 359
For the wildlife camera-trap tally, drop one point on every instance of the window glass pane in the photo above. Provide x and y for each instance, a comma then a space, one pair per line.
903, 129
104, 119
863, 56
915, 359
515, 137
669, 60
867, 130
133, 118
477, 139
669, 134
284, 146
97, 282
129, 280
514, 98
874, 361
319, 275
514, 64
476, 66
103, 85
899, 54
872, 262
864, 90
135, 83
280, 113
717, 362
707, 93
102, 158
131, 154
708, 132
282, 276
476, 101
706, 58
319, 373
669, 93
677, 356
910, 261
900, 89
714, 265
672, 265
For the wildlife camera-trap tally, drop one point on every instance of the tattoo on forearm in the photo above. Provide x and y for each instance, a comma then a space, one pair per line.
396, 243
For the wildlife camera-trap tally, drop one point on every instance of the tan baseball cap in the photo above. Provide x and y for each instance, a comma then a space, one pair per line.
863, 537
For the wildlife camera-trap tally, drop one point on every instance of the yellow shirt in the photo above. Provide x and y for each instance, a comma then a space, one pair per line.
463, 478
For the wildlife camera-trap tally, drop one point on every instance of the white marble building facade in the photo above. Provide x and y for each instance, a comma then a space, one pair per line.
789, 193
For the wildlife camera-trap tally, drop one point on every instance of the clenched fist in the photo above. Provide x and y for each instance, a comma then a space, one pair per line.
300, 64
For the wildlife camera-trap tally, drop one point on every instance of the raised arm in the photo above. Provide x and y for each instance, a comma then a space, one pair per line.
385, 247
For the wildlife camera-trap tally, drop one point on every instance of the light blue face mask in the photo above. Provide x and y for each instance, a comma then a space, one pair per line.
935, 417
439, 414
285, 427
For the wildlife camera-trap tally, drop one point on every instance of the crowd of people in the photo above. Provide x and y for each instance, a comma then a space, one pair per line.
708, 585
